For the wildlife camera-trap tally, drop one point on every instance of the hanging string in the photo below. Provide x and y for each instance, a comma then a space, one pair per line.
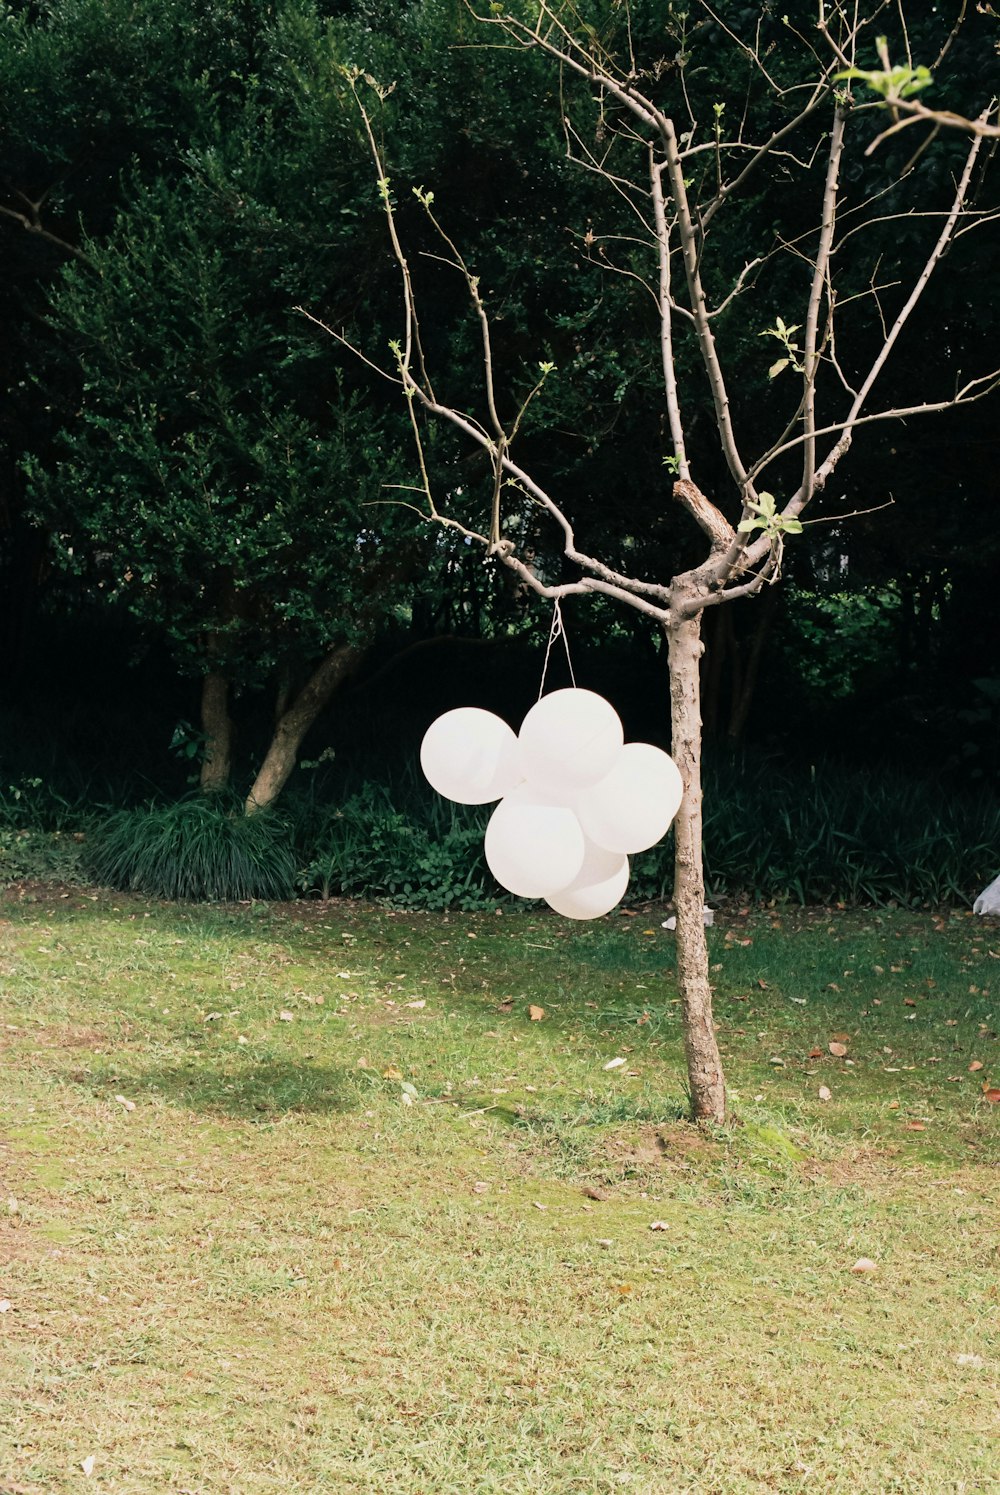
557, 631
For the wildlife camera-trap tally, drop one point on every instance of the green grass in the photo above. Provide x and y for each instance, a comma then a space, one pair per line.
236, 1260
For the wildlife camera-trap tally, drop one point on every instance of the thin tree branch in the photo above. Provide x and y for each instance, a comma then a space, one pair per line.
32, 224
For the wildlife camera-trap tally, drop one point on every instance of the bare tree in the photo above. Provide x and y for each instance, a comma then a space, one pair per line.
678, 174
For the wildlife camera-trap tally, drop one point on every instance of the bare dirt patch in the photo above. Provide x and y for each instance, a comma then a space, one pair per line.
653, 1150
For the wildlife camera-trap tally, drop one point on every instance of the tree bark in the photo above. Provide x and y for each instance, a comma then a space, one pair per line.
704, 1063
217, 726
295, 721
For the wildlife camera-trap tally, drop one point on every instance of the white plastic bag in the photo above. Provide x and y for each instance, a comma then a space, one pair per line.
988, 901
708, 915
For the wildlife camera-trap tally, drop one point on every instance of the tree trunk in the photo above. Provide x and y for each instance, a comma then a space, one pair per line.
295, 722
704, 1064
217, 726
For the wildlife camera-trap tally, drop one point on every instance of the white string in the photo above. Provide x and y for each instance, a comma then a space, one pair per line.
557, 631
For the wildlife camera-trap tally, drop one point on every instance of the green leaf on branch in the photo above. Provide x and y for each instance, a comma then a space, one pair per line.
784, 336
764, 516
890, 83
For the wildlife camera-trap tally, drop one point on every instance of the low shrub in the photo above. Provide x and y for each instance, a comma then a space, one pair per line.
203, 847
836, 835
428, 855
30, 803
41, 856
830, 835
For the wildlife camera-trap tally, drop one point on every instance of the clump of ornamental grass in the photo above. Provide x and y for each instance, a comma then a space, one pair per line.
200, 848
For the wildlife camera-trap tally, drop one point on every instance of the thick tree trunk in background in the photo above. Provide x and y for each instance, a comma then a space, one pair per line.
704, 1064
217, 726
731, 666
742, 697
295, 721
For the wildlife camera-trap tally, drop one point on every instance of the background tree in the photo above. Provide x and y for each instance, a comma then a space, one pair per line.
190, 458
658, 135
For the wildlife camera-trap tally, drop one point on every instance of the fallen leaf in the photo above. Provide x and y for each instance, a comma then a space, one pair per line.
415, 1004
392, 1073
536, 1205
915, 1126
128, 1104
285, 1016
536, 1014
87, 1465
615, 1063
825, 1093
659, 1225
975, 1361
211, 1017
993, 1096
762, 983
838, 1050
479, 1188
406, 1099
909, 1002
841, 1037
243, 1038
590, 1192
864, 1264
5, 1305
815, 1053
894, 1105
976, 1064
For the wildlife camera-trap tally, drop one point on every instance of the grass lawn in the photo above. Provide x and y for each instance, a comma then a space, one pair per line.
306, 1199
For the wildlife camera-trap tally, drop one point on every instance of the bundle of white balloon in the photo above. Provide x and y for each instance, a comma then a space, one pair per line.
575, 799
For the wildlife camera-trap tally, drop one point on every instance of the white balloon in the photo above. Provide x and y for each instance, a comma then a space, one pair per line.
533, 847
470, 756
632, 807
596, 888
569, 740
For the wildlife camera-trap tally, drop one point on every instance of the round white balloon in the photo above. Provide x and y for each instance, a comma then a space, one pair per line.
632, 807
533, 847
470, 756
569, 740
596, 888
